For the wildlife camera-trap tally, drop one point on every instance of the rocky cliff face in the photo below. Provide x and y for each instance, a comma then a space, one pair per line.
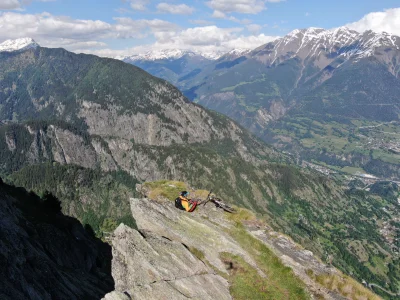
46, 255
145, 161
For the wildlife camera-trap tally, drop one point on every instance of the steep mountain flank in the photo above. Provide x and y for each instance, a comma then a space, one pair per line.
199, 163
46, 255
108, 97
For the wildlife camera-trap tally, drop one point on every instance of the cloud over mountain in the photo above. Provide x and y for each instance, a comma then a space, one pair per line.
387, 20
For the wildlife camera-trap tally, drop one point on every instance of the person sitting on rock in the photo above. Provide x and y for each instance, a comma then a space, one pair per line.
187, 204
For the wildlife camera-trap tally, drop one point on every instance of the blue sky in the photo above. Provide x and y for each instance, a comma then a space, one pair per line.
119, 27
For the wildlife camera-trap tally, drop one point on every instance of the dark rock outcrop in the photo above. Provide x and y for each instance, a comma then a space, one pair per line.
46, 255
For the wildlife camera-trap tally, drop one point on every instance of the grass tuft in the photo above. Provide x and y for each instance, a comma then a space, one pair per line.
172, 189
346, 286
246, 282
242, 215
165, 188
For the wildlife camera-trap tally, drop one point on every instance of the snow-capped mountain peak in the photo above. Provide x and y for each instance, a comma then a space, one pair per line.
18, 45
313, 42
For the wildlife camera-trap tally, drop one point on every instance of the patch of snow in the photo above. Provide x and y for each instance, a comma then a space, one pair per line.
18, 45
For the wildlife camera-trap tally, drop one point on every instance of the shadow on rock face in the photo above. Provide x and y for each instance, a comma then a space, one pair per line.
46, 255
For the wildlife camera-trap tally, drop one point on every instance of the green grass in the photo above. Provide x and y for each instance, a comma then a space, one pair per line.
171, 190
165, 188
232, 88
379, 266
247, 283
346, 286
352, 170
247, 108
387, 157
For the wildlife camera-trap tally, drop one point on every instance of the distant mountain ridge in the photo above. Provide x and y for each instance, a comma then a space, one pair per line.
170, 54
177, 65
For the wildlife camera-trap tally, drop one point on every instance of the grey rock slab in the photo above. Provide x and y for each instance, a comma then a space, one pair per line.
151, 266
205, 229
157, 291
194, 287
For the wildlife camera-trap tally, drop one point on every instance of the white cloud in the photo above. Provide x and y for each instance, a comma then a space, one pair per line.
60, 31
74, 45
249, 42
179, 9
207, 39
239, 6
13, 25
202, 36
388, 20
129, 28
254, 28
201, 22
9, 4
90, 36
17, 4
218, 14
139, 4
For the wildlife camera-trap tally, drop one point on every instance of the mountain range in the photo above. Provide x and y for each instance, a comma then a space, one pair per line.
177, 65
87, 129
306, 85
